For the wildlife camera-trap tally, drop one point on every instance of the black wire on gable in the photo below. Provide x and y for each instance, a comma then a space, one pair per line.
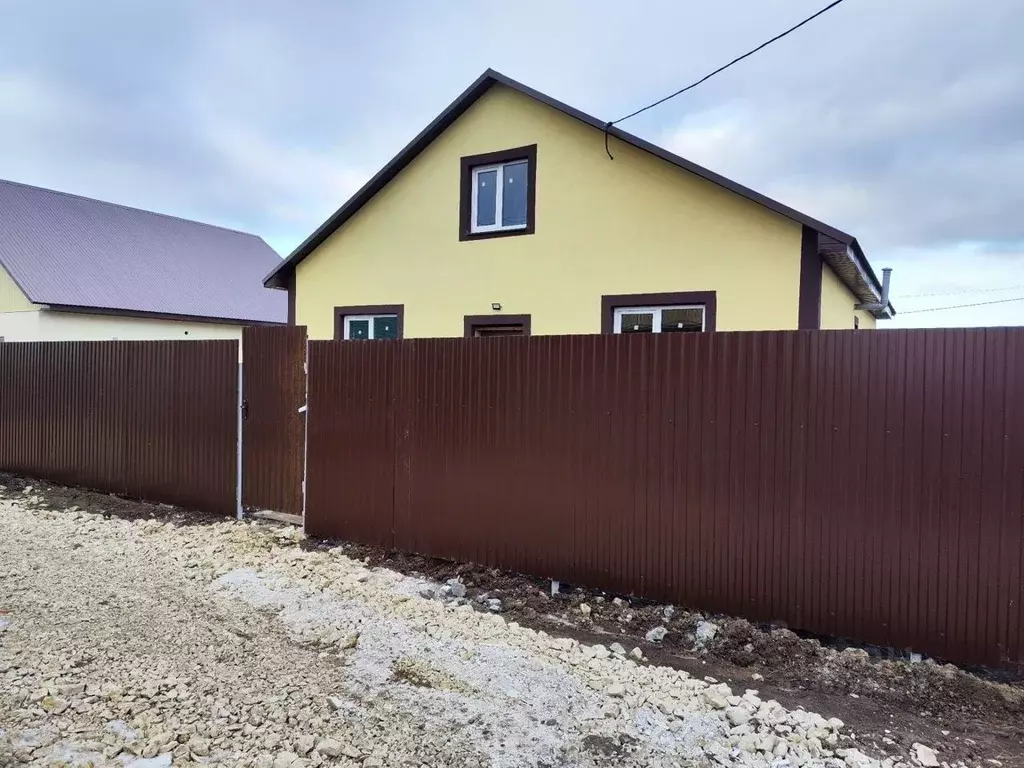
708, 76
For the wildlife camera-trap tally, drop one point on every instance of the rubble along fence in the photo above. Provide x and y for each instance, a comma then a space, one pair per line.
867, 485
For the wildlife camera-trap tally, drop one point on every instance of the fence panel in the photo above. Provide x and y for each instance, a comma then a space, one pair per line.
350, 464
865, 485
152, 420
273, 429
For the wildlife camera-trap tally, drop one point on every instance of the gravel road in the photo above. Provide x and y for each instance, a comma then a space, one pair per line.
152, 643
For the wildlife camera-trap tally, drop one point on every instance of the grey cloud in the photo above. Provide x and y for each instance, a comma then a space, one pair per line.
896, 121
911, 141
986, 288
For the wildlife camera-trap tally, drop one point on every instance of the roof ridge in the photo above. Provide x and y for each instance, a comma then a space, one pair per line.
126, 207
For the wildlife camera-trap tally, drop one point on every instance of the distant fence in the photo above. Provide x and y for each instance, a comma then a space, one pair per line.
866, 485
147, 419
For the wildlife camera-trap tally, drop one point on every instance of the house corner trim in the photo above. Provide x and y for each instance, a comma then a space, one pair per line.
809, 312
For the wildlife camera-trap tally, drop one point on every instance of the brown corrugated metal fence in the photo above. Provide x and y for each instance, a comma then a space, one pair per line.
867, 485
153, 420
273, 429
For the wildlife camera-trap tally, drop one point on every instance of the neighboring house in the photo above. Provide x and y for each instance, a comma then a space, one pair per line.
75, 269
508, 215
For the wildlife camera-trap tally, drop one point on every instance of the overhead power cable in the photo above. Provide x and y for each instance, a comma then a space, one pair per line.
957, 293
722, 68
961, 306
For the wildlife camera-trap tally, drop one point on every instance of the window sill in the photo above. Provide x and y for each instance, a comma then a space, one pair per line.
527, 230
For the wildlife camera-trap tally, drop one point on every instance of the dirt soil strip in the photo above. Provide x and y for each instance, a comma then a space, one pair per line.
970, 715
142, 635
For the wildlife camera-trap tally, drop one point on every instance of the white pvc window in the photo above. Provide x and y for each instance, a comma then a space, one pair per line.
369, 327
499, 197
674, 319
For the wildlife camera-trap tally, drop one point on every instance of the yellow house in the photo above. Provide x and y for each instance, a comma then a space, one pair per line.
514, 213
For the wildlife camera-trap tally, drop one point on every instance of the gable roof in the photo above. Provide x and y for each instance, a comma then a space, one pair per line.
74, 252
278, 277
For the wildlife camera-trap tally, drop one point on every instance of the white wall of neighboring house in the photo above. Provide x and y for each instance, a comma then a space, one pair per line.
46, 325
70, 326
21, 320
21, 325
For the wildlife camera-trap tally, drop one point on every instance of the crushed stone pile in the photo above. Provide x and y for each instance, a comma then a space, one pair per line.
146, 643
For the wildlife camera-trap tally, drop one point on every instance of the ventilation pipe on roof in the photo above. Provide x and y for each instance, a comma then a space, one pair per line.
882, 304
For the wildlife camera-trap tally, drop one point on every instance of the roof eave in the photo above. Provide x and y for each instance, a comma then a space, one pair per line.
864, 266
150, 315
869, 277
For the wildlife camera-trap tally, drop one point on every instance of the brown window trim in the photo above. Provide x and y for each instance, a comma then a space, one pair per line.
340, 313
469, 162
610, 303
472, 321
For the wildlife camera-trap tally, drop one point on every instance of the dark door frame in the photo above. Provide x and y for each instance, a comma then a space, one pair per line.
472, 322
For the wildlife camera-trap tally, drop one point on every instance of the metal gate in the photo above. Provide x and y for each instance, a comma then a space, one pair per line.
273, 418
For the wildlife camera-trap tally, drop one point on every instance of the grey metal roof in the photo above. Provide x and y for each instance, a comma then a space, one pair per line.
71, 251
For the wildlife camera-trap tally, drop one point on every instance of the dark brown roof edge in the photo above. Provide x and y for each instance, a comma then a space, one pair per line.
465, 100
450, 114
154, 315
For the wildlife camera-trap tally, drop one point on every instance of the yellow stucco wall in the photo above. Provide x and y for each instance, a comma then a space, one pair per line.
837, 302
11, 297
632, 225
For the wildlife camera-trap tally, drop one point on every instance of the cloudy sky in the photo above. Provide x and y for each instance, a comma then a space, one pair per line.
901, 121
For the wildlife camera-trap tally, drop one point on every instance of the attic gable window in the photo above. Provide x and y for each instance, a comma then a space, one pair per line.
499, 197
498, 194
